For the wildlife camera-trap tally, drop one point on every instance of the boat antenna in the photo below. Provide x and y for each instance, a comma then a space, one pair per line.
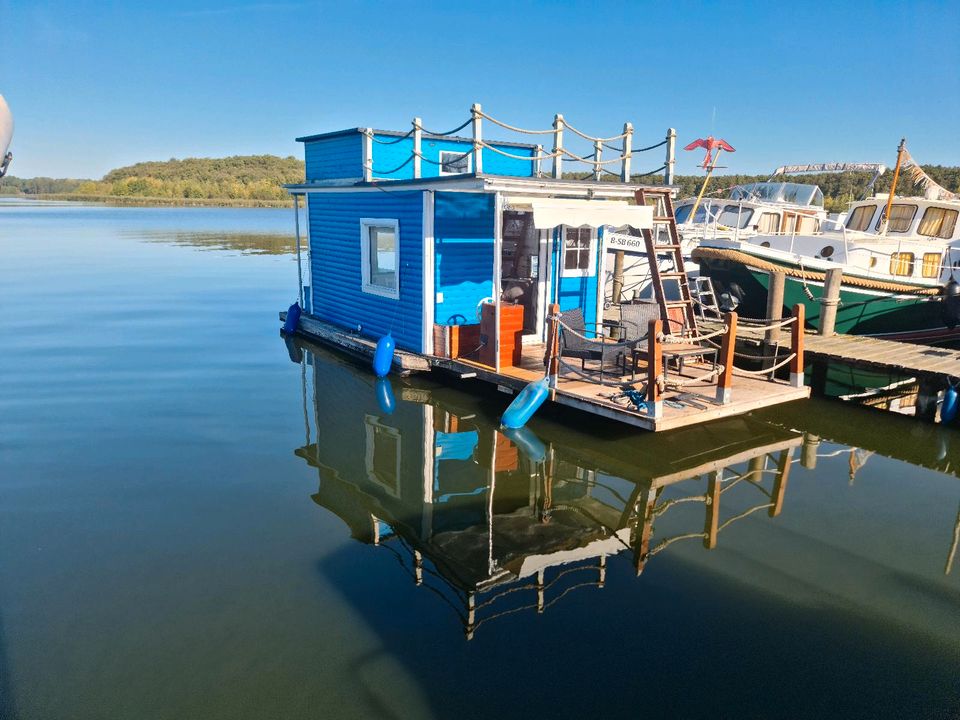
893, 185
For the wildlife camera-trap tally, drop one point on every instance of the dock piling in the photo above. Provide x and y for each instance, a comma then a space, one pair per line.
830, 300
654, 368
725, 383
771, 339
796, 345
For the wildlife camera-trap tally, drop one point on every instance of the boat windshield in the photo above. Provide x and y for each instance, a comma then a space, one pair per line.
735, 216
710, 211
782, 192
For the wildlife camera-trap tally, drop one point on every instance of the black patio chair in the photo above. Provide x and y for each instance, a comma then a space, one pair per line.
575, 343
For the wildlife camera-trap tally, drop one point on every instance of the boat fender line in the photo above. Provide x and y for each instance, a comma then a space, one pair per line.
709, 253
526, 403
948, 410
293, 319
385, 398
383, 356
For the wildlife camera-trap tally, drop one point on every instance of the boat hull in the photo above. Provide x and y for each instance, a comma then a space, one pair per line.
861, 311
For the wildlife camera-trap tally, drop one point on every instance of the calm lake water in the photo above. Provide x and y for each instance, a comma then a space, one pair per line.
193, 526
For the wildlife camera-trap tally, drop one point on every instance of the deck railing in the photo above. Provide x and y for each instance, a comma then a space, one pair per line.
598, 164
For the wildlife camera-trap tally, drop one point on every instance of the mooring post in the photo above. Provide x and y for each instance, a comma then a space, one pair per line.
808, 453
558, 146
552, 357
654, 368
627, 152
796, 345
830, 300
617, 288
771, 338
671, 159
725, 383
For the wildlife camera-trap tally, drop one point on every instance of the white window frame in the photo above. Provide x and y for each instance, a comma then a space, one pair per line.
591, 268
366, 285
457, 153
373, 425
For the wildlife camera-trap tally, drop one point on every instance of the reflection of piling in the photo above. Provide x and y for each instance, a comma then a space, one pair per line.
808, 455
712, 522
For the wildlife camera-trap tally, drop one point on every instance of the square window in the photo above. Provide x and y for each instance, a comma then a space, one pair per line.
379, 256
455, 163
578, 252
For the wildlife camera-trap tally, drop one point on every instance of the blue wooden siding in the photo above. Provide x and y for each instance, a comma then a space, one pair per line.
390, 157
340, 156
463, 244
335, 263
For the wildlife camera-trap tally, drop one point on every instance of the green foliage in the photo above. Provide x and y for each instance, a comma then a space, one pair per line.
240, 177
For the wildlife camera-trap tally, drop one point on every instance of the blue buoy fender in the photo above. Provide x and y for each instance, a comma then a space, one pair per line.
526, 404
385, 396
293, 319
383, 357
948, 411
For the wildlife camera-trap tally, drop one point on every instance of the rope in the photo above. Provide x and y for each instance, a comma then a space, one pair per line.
390, 172
514, 128
649, 147
582, 134
449, 132
390, 142
651, 172
771, 325
520, 157
760, 264
764, 371
590, 159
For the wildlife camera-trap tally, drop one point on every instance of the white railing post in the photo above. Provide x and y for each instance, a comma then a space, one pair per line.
477, 139
597, 152
671, 159
627, 152
538, 163
367, 155
417, 142
558, 146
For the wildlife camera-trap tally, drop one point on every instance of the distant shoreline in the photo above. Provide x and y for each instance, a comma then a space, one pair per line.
151, 202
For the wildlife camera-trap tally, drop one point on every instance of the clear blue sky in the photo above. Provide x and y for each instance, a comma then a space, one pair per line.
95, 85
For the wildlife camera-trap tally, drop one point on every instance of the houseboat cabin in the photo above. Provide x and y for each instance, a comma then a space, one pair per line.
468, 252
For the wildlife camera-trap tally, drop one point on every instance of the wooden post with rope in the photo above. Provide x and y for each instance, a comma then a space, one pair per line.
830, 300
476, 120
654, 368
725, 382
551, 359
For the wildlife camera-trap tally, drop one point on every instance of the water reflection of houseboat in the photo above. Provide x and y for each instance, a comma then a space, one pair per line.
498, 524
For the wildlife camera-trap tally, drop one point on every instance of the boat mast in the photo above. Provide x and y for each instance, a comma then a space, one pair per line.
893, 185
703, 188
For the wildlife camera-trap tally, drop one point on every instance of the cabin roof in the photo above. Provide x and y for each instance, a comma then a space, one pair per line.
479, 182
396, 133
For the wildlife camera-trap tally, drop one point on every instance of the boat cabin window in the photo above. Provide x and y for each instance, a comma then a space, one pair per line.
938, 222
455, 163
707, 212
901, 263
735, 216
682, 213
379, 250
578, 255
901, 217
860, 217
769, 223
931, 265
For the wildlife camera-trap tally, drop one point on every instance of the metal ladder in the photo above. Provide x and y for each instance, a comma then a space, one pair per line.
705, 299
670, 251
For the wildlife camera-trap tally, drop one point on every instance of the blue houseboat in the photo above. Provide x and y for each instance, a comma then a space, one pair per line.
468, 252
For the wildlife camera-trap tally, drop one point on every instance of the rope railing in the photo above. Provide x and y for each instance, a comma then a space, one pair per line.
557, 154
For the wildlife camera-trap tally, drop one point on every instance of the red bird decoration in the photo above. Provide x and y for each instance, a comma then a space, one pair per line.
710, 144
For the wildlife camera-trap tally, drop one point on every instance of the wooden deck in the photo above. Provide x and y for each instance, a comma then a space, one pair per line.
905, 358
697, 403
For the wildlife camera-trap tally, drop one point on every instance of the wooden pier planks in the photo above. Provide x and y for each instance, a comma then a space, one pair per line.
905, 358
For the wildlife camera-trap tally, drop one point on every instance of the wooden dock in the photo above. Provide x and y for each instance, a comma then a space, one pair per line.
920, 361
691, 393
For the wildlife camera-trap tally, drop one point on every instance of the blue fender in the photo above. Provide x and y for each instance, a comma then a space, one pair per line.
527, 442
948, 411
293, 319
383, 357
526, 404
385, 397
